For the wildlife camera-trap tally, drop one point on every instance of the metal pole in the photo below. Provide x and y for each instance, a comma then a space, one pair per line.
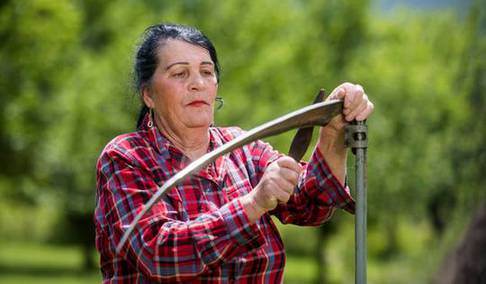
356, 138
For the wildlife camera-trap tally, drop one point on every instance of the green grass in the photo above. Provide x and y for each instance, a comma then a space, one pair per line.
415, 262
40, 263
300, 270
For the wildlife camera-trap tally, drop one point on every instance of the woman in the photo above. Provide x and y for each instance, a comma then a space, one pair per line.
216, 225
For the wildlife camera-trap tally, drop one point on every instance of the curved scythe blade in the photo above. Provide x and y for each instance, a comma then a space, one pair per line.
316, 114
303, 136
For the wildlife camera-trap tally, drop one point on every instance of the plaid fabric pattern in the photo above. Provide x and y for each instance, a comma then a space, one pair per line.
199, 232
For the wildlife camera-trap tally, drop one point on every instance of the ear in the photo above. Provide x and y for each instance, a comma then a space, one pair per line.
147, 97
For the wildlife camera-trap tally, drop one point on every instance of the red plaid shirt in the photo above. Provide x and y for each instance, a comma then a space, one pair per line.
199, 231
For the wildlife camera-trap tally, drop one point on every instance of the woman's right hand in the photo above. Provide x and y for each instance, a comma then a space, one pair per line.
276, 186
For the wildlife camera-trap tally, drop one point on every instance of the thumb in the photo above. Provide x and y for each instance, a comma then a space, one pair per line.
337, 94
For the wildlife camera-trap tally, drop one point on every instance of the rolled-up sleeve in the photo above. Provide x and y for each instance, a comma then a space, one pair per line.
317, 194
322, 185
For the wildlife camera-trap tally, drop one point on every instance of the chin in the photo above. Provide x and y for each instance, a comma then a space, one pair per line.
200, 123
201, 120
196, 118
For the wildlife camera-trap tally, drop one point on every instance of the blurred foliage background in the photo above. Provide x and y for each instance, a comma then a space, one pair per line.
66, 90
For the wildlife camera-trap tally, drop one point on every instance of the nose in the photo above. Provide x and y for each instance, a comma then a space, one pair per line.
196, 83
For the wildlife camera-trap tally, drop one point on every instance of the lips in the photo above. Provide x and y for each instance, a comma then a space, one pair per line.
198, 103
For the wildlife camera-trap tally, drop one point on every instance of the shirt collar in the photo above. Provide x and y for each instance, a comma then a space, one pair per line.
161, 143
163, 146
158, 140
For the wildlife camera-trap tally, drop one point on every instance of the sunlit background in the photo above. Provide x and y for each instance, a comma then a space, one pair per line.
66, 90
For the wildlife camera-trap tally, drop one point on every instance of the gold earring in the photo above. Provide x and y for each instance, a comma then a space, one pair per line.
150, 123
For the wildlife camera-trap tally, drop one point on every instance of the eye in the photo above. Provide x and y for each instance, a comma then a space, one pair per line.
179, 74
207, 72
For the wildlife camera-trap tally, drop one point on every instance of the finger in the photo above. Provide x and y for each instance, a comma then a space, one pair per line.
356, 96
281, 195
289, 163
358, 99
352, 115
347, 93
287, 188
337, 94
366, 113
281, 183
289, 175
273, 200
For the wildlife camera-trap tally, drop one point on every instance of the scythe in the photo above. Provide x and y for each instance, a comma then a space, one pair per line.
319, 113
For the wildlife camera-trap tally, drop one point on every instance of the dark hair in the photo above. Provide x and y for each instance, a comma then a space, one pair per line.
146, 57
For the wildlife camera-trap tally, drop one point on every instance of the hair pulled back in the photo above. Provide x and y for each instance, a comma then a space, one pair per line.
146, 59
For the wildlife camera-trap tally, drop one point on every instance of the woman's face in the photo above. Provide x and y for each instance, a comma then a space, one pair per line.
183, 88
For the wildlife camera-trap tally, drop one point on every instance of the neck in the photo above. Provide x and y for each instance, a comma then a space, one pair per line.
193, 142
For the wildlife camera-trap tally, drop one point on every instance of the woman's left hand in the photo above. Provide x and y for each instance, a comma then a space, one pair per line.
357, 106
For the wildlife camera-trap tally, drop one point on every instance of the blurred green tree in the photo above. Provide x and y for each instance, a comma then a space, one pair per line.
39, 41
66, 91
412, 75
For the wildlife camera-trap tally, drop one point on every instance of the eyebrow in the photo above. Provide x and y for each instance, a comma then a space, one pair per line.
187, 63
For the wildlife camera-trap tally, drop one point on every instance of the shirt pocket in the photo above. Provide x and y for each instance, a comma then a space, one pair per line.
196, 198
